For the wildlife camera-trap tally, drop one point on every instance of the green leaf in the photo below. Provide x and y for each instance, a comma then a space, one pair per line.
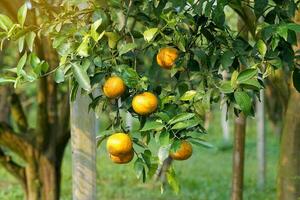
227, 59
175, 145
172, 180
95, 35
244, 101
186, 124
226, 87
139, 167
251, 84
259, 7
262, 48
22, 12
164, 138
30, 40
7, 80
181, 117
200, 142
5, 22
59, 76
82, 77
152, 125
126, 48
83, 49
149, 34
296, 79
21, 43
294, 27
246, 74
113, 39
188, 95
21, 64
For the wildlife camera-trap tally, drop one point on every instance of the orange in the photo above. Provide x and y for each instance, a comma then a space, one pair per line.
119, 144
122, 159
114, 87
144, 103
184, 152
166, 57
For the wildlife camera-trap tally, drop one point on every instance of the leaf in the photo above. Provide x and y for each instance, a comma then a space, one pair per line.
152, 125
226, 87
21, 43
172, 180
149, 34
7, 80
181, 117
59, 76
22, 12
200, 142
164, 138
294, 27
30, 40
21, 64
5, 22
186, 124
296, 79
244, 101
259, 7
246, 74
262, 48
126, 48
113, 39
188, 95
139, 167
82, 77
95, 35
227, 59
252, 84
83, 49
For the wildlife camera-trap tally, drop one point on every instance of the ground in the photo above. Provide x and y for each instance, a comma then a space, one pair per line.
205, 176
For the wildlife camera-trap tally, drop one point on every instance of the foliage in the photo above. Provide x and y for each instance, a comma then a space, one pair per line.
98, 39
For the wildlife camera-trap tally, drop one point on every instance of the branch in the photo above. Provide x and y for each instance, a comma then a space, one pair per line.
12, 167
10, 7
12, 141
162, 170
17, 113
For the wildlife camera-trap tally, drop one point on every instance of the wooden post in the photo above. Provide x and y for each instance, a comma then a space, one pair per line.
261, 141
83, 141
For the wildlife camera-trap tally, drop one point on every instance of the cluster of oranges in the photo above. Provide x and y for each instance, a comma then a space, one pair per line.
119, 145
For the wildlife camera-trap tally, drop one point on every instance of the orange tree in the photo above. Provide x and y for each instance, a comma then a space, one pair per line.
161, 61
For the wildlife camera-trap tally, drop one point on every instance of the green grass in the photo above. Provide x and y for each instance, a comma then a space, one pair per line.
206, 176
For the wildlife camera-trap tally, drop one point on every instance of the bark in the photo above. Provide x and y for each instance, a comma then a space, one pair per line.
238, 157
289, 164
240, 125
83, 141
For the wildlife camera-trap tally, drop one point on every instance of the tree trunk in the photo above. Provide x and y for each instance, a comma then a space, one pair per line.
261, 141
83, 140
41, 184
289, 163
238, 157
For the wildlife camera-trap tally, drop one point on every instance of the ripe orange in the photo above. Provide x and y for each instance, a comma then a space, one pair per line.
122, 159
114, 87
144, 103
166, 57
119, 144
184, 152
